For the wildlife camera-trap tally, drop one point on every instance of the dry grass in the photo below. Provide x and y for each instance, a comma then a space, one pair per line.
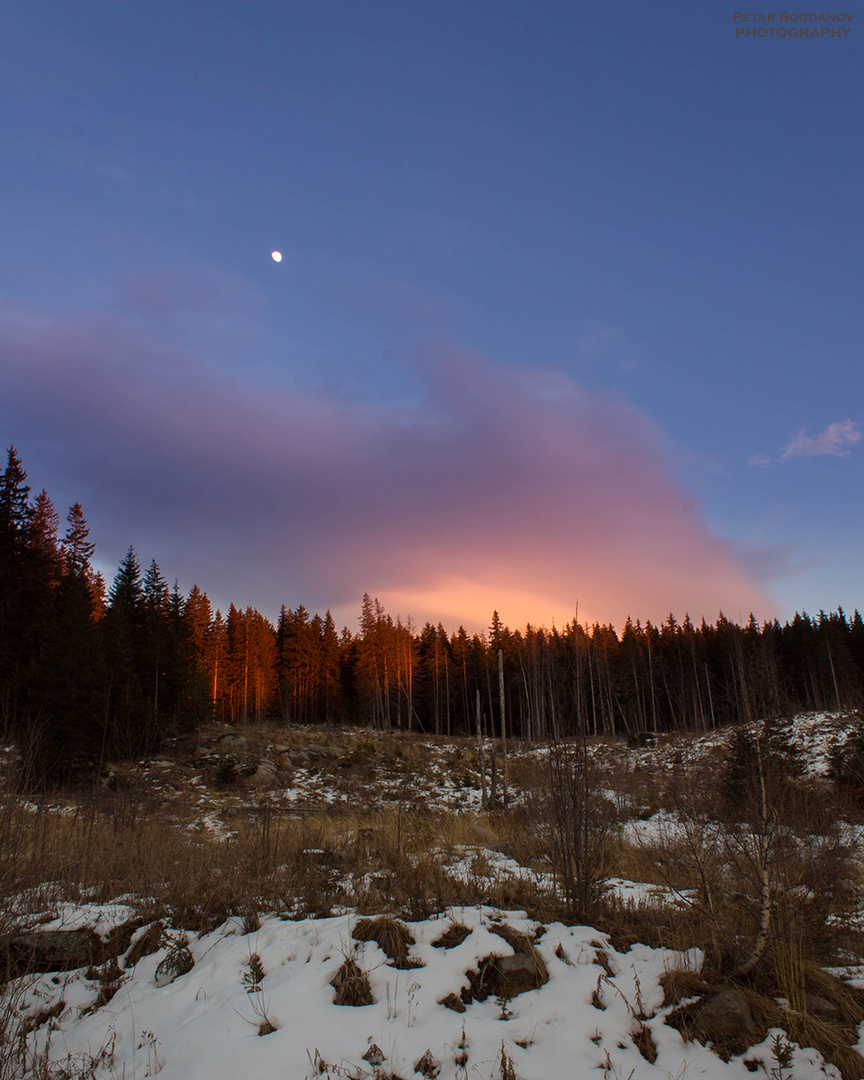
351, 985
679, 984
391, 935
389, 861
454, 935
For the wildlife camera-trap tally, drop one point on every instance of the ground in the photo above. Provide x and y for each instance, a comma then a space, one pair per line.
253, 860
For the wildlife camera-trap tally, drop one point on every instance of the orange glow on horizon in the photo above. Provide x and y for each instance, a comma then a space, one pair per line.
464, 602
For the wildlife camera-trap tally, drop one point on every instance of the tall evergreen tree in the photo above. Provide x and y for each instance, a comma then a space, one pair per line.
131, 726
70, 730
25, 593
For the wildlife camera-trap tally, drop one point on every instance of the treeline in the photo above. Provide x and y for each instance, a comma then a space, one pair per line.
89, 673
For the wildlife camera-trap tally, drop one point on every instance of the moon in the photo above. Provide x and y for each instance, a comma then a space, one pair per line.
276, 256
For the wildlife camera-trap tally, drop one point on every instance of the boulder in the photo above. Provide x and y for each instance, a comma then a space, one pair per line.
821, 1007
64, 950
264, 776
232, 741
515, 974
54, 950
726, 1018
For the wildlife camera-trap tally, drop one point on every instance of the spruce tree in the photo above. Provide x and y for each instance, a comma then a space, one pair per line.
70, 736
129, 729
25, 594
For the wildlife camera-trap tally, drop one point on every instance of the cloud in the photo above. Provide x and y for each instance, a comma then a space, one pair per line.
835, 439
502, 487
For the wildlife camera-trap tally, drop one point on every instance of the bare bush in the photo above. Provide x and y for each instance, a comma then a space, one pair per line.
582, 822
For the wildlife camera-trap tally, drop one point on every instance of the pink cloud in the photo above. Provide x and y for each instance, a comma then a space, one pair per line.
502, 482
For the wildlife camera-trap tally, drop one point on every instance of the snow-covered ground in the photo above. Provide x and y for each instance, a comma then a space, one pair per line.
205, 1024
583, 1022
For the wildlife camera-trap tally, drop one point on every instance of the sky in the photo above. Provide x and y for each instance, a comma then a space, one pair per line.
569, 310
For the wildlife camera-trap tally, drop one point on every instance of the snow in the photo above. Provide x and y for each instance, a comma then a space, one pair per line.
101, 918
205, 1024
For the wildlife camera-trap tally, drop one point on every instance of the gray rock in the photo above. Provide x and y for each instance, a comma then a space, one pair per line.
54, 950
264, 776
726, 1017
232, 741
820, 1007
516, 974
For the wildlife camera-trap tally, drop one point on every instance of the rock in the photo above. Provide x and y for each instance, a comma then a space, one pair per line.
264, 776
232, 741
515, 974
506, 976
726, 1018
452, 1001
485, 836
63, 950
820, 1007
54, 950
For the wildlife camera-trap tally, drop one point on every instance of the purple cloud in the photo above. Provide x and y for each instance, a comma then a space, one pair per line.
507, 487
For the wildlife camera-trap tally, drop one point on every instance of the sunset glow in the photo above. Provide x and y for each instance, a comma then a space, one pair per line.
548, 329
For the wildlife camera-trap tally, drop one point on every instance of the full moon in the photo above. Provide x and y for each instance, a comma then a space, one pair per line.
276, 256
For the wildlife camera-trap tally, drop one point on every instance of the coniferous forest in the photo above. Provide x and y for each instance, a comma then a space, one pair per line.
91, 672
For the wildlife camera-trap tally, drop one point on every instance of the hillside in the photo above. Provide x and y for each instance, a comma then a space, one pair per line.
338, 903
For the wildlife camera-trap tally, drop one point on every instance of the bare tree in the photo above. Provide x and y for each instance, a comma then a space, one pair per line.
581, 822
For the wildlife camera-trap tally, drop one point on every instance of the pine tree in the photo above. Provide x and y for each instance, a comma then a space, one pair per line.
45, 522
25, 594
71, 683
16, 513
71, 734
330, 698
130, 728
77, 549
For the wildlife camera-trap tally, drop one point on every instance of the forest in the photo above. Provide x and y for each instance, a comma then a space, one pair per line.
91, 673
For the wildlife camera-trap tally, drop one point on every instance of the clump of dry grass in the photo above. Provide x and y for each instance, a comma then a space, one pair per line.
679, 984
644, 1041
351, 985
454, 935
392, 936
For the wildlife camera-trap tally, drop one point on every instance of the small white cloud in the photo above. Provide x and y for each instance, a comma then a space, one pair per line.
760, 462
835, 439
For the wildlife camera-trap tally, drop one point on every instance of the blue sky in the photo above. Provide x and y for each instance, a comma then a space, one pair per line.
614, 241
